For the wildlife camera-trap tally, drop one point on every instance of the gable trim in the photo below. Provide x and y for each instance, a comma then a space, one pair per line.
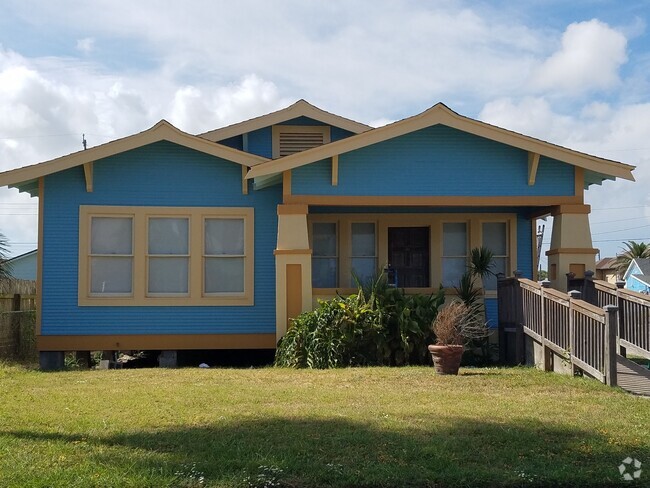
440, 114
299, 109
162, 131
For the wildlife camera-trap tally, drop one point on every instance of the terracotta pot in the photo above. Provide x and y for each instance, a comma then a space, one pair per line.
446, 359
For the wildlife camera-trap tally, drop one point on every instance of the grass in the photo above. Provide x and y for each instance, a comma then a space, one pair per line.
295, 428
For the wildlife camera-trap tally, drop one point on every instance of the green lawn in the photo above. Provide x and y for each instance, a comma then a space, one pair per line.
350, 427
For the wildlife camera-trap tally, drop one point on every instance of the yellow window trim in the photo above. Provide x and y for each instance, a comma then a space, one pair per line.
139, 296
433, 220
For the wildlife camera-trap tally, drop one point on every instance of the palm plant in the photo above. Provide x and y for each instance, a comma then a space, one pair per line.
633, 250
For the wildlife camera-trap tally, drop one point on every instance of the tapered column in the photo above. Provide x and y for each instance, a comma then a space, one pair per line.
571, 246
292, 266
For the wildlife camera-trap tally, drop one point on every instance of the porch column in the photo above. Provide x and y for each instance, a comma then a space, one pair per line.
292, 266
571, 247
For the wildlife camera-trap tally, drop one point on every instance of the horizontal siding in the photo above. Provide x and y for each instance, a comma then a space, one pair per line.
236, 142
436, 160
525, 246
260, 142
162, 174
492, 312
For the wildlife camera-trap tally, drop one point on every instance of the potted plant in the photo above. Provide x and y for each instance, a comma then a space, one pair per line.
454, 326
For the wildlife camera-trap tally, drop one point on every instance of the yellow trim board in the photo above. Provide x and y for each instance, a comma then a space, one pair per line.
299, 209
431, 201
335, 170
299, 109
88, 175
571, 250
39, 255
154, 341
162, 131
533, 164
441, 114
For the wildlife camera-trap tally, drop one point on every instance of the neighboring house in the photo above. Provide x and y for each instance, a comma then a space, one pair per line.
23, 267
637, 275
606, 270
215, 241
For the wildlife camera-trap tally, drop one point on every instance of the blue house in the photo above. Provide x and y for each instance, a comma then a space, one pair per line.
23, 267
637, 275
215, 241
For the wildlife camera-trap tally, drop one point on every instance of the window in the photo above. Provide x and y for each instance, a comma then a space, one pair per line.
454, 252
224, 256
325, 255
363, 260
291, 139
166, 256
111, 256
495, 238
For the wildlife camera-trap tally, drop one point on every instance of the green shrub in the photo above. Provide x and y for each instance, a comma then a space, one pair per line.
379, 325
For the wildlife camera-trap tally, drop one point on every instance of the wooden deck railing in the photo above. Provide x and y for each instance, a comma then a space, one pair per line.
633, 315
565, 326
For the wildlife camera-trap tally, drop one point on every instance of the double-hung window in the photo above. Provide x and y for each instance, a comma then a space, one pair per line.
454, 252
224, 255
363, 252
111, 256
166, 256
495, 238
325, 255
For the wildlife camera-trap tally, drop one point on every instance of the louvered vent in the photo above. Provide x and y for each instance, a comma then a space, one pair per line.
293, 142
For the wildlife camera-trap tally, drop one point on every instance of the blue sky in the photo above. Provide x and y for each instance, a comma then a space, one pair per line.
574, 73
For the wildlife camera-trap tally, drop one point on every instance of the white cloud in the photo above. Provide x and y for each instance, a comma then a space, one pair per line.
86, 45
589, 58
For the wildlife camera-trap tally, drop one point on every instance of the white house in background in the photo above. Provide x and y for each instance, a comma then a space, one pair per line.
23, 267
637, 275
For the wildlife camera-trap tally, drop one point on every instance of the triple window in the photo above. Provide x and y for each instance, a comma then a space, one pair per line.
139, 255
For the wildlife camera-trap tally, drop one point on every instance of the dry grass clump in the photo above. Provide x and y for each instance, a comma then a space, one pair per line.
457, 324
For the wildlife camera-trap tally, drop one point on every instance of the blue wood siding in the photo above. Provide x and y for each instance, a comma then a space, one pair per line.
436, 160
236, 142
634, 284
161, 174
260, 142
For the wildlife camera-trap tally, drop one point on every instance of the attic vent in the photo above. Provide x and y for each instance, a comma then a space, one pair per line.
293, 142
291, 139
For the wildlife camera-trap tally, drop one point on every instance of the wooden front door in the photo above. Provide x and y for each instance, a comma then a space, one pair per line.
408, 254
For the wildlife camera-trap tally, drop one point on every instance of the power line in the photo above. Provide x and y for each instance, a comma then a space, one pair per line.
620, 230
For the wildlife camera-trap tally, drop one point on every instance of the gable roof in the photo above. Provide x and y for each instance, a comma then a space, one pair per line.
441, 114
645, 279
299, 109
642, 264
162, 131
606, 263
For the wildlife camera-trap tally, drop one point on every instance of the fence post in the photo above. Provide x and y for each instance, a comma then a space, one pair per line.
621, 318
15, 325
546, 351
519, 321
575, 295
611, 321
589, 288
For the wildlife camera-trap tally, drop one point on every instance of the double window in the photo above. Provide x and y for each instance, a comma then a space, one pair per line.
151, 255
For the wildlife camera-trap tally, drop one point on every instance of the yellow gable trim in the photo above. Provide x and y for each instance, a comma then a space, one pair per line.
162, 131
299, 109
440, 114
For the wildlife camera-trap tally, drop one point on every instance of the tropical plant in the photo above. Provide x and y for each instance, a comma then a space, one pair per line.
632, 251
379, 325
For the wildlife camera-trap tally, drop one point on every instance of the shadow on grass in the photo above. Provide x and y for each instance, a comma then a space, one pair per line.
441, 453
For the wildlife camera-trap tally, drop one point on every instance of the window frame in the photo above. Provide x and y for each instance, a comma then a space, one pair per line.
337, 256
91, 255
383, 221
511, 243
466, 256
350, 256
139, 296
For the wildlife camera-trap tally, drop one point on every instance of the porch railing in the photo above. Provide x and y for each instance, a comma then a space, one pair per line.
565, 327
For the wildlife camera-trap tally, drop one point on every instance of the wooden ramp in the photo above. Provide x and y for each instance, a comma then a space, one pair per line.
632, 377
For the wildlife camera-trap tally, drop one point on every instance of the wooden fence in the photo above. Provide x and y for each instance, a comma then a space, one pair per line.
578, 333
17, 317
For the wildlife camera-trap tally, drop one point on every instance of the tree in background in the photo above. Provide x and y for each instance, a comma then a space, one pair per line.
634, 250
5, 267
